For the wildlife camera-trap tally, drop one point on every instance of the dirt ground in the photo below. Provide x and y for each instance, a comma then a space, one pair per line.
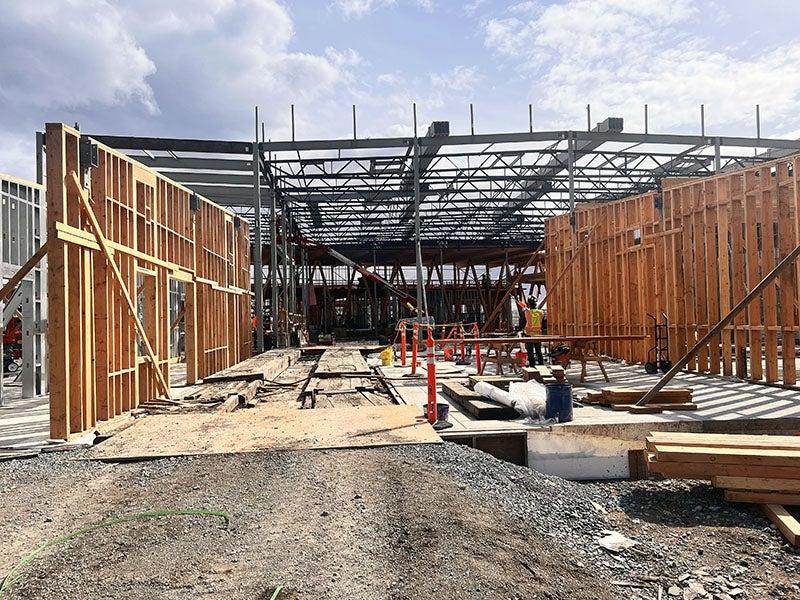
394, 523
415, 522
322, 524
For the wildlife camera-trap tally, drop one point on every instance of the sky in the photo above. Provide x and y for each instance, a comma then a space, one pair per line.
197, 68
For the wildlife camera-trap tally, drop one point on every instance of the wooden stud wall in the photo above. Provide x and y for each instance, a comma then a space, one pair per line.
97, 369
692, 252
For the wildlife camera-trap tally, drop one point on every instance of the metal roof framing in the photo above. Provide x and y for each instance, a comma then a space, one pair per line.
490, 190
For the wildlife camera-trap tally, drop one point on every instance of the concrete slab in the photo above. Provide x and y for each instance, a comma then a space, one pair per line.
596, 443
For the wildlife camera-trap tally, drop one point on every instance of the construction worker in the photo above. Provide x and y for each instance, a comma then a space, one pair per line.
533, 327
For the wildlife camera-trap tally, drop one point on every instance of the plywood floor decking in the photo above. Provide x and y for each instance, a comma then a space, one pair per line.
267, 428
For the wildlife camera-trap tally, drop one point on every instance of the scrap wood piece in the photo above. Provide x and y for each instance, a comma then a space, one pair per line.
738, 456
762, 497
764, 484
216, 392
539, 373
501, 381
101, 240
626, 395
784, 521
655, 407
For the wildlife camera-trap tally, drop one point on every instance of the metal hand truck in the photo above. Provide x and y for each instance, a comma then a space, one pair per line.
658, 355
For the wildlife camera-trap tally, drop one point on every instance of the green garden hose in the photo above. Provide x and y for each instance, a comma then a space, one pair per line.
14, 575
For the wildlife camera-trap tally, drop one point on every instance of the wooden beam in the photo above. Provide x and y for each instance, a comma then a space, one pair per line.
17, 277
72, 179
567, 267
743, 303
785, 522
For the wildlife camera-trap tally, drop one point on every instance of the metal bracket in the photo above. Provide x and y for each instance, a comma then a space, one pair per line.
194, 202
88, 154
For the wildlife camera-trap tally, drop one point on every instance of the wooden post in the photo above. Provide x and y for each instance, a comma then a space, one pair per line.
73, 179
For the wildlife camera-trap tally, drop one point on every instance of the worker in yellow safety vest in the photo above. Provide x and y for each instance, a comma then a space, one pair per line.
534, 320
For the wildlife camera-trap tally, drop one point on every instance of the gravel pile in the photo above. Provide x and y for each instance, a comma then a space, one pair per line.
687, 538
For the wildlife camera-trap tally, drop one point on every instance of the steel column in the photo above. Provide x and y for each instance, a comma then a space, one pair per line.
258, 272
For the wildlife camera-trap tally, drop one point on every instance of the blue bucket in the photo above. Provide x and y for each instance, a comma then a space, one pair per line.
558, 403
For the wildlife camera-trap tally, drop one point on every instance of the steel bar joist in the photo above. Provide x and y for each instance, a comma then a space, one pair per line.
483, 189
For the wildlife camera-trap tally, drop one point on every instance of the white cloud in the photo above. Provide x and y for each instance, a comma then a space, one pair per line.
360, 8
459, 79
147, 67
71, 55
618, 55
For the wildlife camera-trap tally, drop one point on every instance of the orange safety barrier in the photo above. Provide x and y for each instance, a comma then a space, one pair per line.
431, 378
414, 339
403, 344
476, 333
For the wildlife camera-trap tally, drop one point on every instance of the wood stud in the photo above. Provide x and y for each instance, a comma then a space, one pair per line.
695, 257
99, 367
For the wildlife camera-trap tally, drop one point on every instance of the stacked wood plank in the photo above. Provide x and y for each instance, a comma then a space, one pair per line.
265, 366
501, 381
623, 398
544, 374
478, 406
759, 469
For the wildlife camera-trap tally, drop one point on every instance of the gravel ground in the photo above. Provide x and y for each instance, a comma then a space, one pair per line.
406, 522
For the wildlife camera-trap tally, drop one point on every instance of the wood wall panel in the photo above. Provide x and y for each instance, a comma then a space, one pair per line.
158, 234
692, 251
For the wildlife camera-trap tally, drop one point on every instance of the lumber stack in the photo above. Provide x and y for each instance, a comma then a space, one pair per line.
757, 469
264, 366
544, 374
624, 398
501, 381
479, 406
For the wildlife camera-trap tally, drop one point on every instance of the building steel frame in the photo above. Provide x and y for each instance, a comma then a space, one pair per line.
22, 221
439, 190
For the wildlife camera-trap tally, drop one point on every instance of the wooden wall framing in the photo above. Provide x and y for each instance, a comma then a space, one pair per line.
158, 231
692, 251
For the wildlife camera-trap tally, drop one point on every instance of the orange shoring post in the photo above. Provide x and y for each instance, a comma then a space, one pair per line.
431, 378
476, 333
403, 343
414, 340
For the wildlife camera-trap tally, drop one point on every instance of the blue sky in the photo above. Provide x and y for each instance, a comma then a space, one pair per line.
196, 68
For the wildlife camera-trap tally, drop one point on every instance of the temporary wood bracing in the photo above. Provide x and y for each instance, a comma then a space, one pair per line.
693, 251
160, 236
